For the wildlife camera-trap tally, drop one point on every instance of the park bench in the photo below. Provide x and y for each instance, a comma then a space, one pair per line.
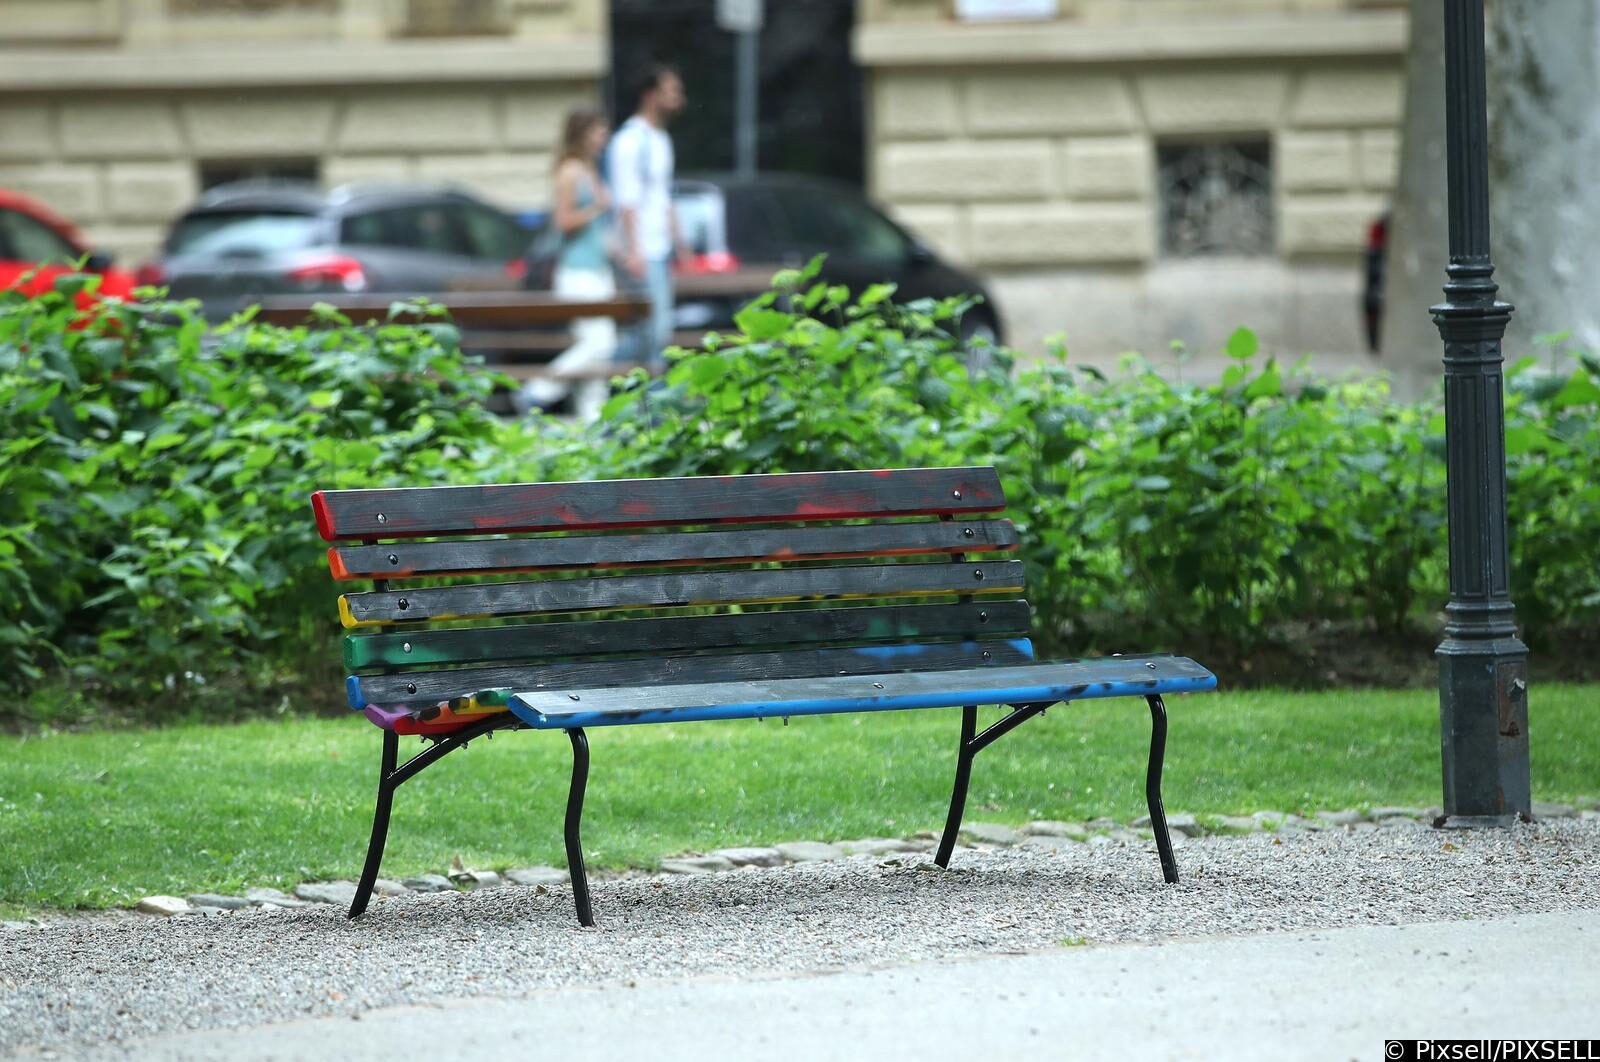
519, 333
676, 600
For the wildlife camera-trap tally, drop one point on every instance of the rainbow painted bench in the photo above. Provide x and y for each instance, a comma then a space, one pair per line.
675, 600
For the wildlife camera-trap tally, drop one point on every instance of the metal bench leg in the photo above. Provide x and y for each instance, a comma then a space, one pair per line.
1152, 788
380, 823
958, 798
580, 779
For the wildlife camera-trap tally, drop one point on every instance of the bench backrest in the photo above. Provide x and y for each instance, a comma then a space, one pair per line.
701, 579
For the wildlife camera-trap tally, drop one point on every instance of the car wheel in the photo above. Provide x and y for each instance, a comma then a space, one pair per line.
977, 329
979, 337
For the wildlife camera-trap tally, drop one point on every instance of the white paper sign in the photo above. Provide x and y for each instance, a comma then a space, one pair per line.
1006, 10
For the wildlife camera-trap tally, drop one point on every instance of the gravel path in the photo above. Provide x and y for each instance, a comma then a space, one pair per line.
90, 980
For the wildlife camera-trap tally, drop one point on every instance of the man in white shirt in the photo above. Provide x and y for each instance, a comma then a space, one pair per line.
641, 164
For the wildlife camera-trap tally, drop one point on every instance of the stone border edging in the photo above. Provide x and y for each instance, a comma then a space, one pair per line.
1052, 834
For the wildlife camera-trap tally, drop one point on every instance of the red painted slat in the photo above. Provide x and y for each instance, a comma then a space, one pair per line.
802, 496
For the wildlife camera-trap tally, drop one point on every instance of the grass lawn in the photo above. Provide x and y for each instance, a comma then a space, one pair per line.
101, 819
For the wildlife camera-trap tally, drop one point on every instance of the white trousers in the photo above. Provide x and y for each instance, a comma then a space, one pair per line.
594, 339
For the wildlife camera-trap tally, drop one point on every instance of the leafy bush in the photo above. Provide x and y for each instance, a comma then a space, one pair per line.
1151, 512
154, 473
154, 476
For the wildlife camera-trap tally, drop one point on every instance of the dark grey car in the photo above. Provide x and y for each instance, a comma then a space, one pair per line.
242, 242
740, 230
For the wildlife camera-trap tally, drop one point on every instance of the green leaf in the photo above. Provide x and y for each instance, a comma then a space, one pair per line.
1268, 385
1580, 390
706, 369
759, 324
875, 294
1521, 366
71, 284
1523, 438
1242, 345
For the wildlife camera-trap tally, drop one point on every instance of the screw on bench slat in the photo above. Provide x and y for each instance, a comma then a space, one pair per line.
405, 647
393, 559
977, 573
382, 519
403, 604
968, 532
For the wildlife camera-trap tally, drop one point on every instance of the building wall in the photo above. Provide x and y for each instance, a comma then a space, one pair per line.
1029, 150
110, 110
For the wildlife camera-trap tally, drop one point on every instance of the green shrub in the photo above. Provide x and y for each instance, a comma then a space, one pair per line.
154, 476
154, 473
1152, 512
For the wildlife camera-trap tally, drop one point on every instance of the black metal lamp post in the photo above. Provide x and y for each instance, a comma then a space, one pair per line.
1483, 667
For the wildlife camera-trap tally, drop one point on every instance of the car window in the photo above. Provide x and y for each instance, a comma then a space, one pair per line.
820, 221
243, 233
753, 225
25, 239
433, 227
701, 223
491, 234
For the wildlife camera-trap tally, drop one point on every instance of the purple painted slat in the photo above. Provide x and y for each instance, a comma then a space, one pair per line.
385, 717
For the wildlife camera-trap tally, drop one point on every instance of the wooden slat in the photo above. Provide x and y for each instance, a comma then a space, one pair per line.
432, 687
484, 309
801, 496
541, 346
399, 560
673, 589
1027, 684
554, 641
523, 372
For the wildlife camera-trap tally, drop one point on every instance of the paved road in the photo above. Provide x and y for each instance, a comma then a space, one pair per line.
1330, 994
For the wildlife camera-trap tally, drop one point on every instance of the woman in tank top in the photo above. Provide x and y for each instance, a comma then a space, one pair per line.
583, 269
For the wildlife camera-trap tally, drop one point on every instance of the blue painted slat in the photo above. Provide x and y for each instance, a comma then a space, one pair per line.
647, 673
1052, 682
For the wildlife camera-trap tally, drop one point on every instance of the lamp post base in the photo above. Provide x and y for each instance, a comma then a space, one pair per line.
1478, 822
1483, 731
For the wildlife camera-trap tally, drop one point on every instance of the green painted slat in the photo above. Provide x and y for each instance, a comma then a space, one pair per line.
808, 626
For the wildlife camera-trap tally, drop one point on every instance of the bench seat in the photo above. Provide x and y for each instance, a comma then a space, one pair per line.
1050, 683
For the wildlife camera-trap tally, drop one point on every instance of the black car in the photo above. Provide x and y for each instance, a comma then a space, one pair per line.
742, 230
251, 239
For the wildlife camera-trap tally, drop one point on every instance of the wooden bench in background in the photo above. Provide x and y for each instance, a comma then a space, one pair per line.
733, 597
518, 333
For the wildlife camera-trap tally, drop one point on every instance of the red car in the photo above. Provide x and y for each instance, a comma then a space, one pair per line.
38, 243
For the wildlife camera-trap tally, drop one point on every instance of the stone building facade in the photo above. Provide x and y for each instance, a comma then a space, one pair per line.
116, 111
1129, 172
1056, 155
